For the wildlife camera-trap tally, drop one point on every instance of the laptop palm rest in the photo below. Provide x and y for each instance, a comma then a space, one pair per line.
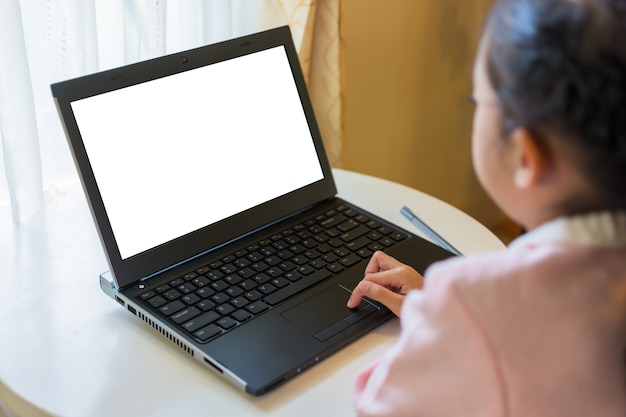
325, 314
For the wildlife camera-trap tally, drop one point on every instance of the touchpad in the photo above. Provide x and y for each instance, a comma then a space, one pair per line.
326, 314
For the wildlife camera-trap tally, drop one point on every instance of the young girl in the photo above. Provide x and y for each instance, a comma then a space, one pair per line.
538, 329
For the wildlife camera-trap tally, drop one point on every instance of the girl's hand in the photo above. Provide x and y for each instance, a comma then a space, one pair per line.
387, 281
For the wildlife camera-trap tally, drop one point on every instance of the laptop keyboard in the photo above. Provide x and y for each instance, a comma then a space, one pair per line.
224, 293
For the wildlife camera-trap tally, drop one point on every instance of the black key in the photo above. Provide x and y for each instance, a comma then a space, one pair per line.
171, 308
241, 315
185, 314
220, 285
253, 247
300, 259
293, 240
296, 287
147, 295
206, 305
233, 279
312, 254
234, 291
229, 269
287, 266
374, 235
247, 272
324, 248
373, 224
157, 301
261, 278
171, 295
253, 295
225, 309
267, 251
190, 276
281, 245
242, 262
293, 276
201, 321
321, 237
229, 258
257, 307
335, 243
304, 234
207, 332
205, 292
187, 288
177, 282
255, 256
298, 248
267, 288
248, 284
240, 302
306, 269
201, 281
385, 230
333, 221
335, 267
330, 257
350, 260
354, 233
190, 299
361, 218
386, 242
350, 213
285, 254
348, 225
226, 323
215, 275
280, 282
376, 246
203, 270
358, 243
163, 288
273, 260
260, 266
220, 298
318, 263
274, 272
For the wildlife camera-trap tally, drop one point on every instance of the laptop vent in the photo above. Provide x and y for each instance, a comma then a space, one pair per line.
165, 333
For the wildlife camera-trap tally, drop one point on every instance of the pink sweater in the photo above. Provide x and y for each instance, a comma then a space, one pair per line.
535, 330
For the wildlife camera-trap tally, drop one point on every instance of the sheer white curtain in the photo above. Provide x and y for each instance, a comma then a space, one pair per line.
42, 42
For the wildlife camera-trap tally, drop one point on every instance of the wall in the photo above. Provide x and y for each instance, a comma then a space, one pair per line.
406, 69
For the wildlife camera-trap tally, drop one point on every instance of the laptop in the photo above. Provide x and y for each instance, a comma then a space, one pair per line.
216, 207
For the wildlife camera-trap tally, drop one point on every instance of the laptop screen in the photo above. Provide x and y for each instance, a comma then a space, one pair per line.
178, 153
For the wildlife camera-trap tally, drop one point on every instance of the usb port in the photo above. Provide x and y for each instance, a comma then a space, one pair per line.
132, 309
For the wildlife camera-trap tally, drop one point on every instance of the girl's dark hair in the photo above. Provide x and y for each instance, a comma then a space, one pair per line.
558, 68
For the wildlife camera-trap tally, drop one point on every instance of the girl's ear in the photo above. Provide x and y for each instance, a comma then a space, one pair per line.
531, 160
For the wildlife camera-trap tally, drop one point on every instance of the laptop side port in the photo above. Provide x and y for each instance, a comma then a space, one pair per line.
120, 301
218, 369
132, 309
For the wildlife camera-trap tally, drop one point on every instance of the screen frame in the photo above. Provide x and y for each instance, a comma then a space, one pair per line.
167, 255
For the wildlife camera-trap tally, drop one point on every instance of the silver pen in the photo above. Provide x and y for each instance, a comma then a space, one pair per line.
428, 231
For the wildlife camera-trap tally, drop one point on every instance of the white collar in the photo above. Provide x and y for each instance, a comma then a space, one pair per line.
599, 228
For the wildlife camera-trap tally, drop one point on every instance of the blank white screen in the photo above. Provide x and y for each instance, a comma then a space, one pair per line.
173, 155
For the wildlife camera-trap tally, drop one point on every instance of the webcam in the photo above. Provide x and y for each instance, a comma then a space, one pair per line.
184, 59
